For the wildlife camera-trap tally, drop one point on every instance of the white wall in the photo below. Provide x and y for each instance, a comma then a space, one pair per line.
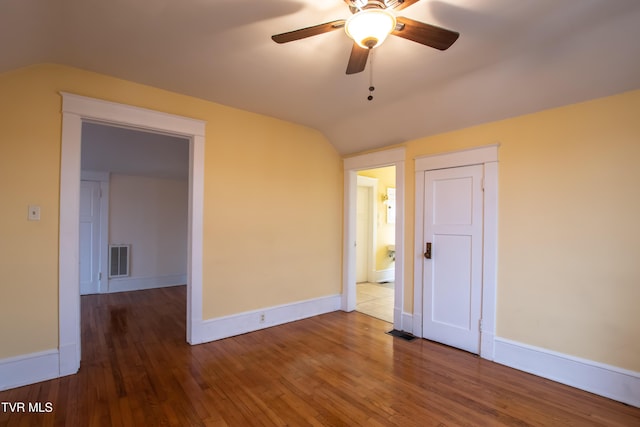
150, 214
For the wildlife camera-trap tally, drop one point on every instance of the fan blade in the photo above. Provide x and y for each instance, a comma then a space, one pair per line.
303, 33
426, 34
357, 59
401, 4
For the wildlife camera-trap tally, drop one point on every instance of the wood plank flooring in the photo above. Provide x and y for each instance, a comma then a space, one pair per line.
338, 369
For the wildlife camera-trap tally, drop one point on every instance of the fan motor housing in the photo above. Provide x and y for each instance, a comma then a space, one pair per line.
371, 4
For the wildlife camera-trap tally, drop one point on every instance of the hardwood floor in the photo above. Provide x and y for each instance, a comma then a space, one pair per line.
338, 369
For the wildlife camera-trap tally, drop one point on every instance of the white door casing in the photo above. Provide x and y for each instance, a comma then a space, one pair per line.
452, 275
487, 157
363, 217
90, 243
75, 110
366, 214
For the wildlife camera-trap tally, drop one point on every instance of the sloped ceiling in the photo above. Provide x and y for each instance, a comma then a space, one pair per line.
513, 57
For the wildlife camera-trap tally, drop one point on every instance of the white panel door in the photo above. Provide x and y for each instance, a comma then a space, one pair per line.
89, 237
452, 278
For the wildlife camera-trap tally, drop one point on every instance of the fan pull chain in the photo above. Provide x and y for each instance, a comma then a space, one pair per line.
371, 86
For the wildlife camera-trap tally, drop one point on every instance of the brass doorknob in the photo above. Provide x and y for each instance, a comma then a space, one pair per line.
427, 250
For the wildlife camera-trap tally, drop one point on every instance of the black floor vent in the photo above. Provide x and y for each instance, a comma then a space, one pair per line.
400, 334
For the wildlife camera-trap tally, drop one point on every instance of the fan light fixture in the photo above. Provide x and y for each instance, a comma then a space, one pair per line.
370, 27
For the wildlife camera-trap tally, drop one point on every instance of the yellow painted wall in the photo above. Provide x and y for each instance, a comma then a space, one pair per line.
569, 236
568, 273
29, 174
385, 233
273, 222
272, 214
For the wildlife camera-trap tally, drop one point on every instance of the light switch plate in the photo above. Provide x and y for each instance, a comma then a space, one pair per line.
34, 213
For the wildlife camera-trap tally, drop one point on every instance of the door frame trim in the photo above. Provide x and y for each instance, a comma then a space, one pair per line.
488, 157
77, 109
371, 184
103, 179
392, 157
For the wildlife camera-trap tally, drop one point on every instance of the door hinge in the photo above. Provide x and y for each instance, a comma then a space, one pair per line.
100, 276
480, 325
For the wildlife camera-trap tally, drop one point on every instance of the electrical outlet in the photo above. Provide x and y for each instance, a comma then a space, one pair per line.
261, 317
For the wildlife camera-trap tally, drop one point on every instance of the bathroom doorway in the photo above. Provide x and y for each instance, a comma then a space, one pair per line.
375, 242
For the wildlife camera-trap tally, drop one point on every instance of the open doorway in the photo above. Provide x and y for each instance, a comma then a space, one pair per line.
379, 159
375, 242
77, 110
133, 209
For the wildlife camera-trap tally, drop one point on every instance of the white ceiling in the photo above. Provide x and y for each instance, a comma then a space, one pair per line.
513, 57
133, 152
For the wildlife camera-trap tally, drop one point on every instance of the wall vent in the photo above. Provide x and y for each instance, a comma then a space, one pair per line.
119, 257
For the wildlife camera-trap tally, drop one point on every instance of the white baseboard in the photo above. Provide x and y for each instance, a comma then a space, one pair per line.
29, 369
140, 283
605, 380
487, 345
407, 322
416, 319
236, 324
69, 355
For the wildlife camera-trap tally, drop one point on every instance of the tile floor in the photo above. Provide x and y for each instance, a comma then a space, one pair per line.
375, 299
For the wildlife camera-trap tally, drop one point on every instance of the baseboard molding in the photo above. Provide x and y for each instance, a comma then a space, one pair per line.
29, 369
487, 345
598, 378
237, 324
407, 322
69, 355
416, 319
140, 283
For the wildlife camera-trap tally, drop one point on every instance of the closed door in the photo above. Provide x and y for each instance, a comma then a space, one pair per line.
89, 237
452, 276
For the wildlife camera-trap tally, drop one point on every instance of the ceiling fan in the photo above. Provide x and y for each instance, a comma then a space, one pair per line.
372, 21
